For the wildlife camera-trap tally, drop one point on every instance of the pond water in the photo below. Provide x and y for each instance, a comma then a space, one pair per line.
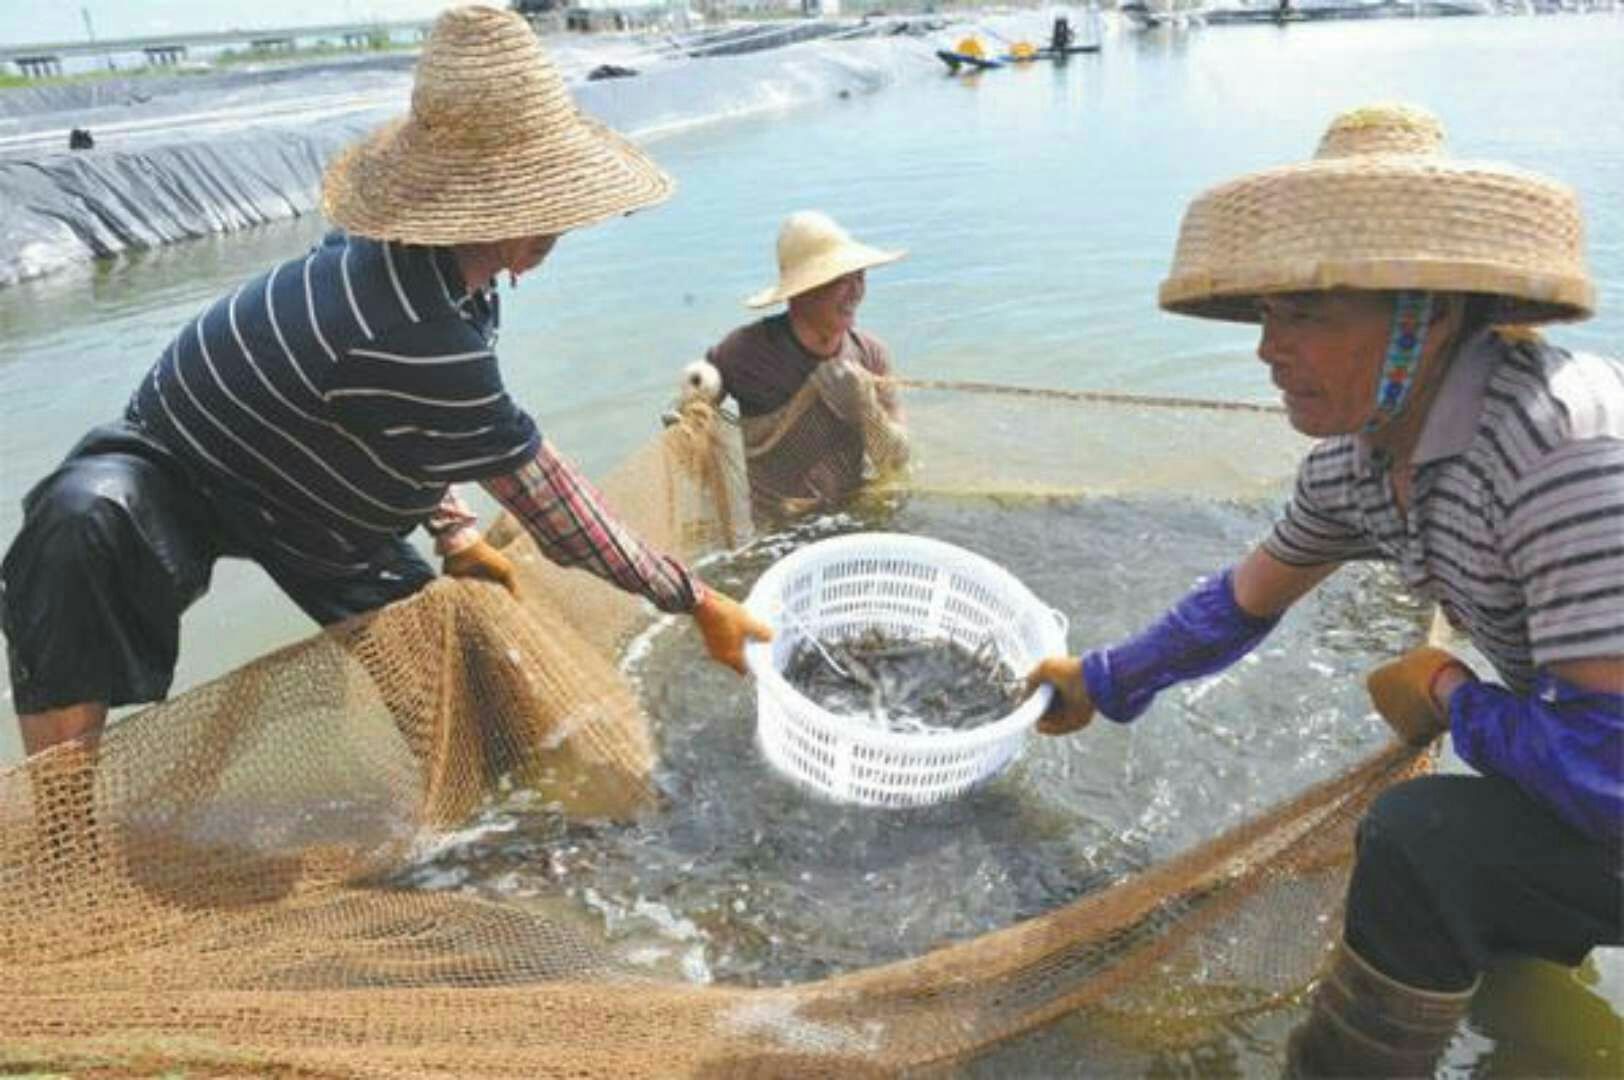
740, 876
1040, 206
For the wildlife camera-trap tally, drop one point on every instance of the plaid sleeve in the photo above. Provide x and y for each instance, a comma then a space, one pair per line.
574, 527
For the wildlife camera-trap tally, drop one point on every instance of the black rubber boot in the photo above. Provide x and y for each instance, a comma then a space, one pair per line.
1363, 1023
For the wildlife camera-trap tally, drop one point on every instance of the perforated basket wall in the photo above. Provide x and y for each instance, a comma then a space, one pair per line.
907, 587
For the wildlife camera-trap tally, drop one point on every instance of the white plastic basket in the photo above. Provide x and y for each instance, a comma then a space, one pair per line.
905, 586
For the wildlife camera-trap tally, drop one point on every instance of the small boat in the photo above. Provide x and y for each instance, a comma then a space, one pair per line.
967, 53
956, 60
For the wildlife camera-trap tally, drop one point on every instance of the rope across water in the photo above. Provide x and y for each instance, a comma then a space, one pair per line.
1100, 396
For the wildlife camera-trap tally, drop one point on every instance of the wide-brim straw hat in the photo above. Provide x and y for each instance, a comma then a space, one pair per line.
1382, 207
813, 250
494, 148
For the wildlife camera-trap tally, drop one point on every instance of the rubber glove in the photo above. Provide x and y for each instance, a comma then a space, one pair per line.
845, 388
1406, 692
481, 560
1071, 708
725, 625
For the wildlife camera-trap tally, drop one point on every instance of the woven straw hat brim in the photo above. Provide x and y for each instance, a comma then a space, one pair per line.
399, 184
1383, 222
850, 257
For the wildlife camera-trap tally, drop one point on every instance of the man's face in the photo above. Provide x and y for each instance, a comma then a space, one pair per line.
832, 307
1324, 352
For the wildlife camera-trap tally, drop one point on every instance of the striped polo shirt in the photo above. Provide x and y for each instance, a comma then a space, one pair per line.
1516, 519
327, 404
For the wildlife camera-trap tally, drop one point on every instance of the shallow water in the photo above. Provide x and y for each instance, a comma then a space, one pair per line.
740, 876
1039, 205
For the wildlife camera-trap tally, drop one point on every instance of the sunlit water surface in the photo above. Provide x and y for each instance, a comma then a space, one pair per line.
1040, 207
741, 876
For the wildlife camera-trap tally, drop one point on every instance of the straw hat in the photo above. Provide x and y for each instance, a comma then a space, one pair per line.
1382, 207
813, 251
493, 148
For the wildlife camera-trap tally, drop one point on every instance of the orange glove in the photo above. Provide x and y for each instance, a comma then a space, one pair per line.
1071, 708
725, 624
481, 560
1404, 691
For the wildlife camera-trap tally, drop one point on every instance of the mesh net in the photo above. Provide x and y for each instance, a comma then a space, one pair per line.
214, 885
806, 455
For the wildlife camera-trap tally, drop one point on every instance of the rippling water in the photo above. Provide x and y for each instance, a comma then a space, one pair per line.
1040, 206
739, 876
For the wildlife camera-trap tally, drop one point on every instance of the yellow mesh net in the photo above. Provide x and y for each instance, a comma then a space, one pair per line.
214, 886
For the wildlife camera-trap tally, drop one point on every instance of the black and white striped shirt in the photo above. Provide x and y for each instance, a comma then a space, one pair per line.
1516, 520
328, 403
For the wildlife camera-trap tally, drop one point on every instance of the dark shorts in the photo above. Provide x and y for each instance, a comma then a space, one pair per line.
115, 545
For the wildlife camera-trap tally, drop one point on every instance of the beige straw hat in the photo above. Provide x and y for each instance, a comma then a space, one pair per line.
493, 148
1382, 207
813, 251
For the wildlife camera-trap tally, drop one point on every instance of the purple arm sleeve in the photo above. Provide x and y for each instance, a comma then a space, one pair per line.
1563, 744
1203, 633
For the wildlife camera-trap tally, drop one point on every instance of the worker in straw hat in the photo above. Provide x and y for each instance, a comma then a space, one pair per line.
816, 405
1394, 285
314, 416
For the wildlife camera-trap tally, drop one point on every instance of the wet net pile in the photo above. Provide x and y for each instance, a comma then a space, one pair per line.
215, 887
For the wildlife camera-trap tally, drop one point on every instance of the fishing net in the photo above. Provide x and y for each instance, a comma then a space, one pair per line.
805, 455
216, 885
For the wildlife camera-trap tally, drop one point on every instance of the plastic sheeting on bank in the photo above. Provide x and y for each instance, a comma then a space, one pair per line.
21, 102
68, 208
214, 154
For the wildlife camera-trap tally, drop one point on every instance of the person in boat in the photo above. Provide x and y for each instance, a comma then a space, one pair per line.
312, 418
1487, 465
1061, 36
816, 405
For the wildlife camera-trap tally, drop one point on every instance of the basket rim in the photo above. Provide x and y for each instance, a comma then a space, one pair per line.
757, 655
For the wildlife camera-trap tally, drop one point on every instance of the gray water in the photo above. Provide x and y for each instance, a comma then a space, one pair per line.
739, 876
1040, 206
